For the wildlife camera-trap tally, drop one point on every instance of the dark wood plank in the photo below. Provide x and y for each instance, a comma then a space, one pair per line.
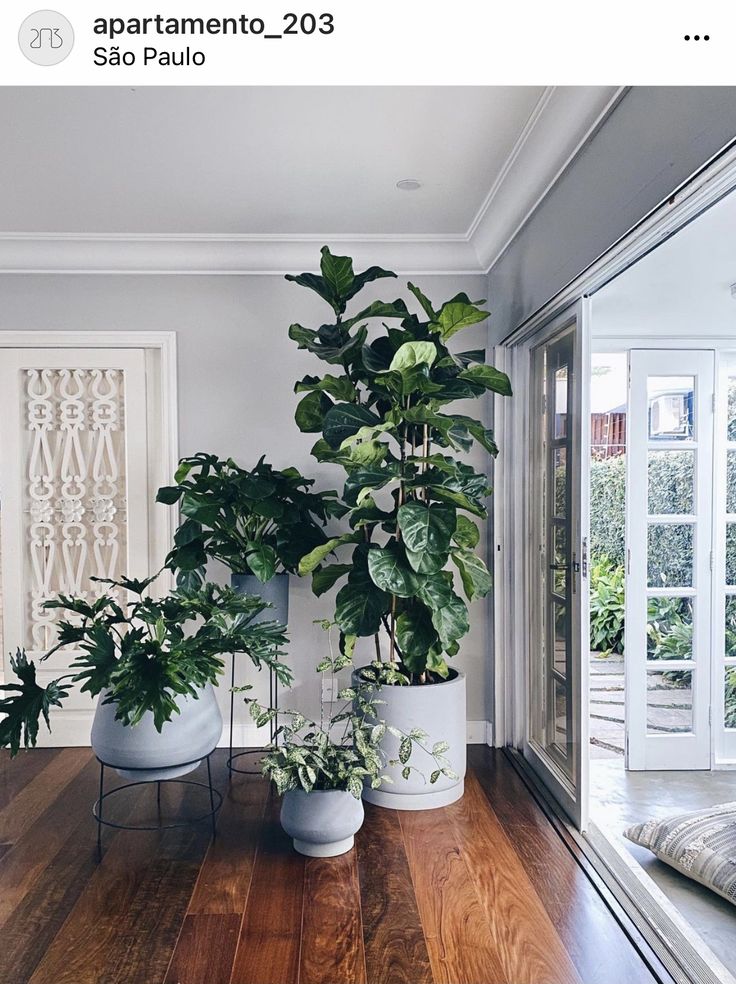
530, 950
34, 799
33, 924
395, 948
332, 938
22, 867
124, 925
596, 943
270, 936
205, 950
225, 878
17, 773
459, 940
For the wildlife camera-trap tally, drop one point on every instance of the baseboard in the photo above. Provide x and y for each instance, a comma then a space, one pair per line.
479, 732
73, 728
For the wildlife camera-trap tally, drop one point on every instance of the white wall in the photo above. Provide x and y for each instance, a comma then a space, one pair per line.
236, 371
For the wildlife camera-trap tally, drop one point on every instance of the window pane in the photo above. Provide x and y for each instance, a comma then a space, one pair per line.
670, 400
731, 424
559, 613
730, 650
729, 694
669, 628
671, 478
730, 553
561, 402
560, 480
731, 482
670, 555
669, 702
560, 722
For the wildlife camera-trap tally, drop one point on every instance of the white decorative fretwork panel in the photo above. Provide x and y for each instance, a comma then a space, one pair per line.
74, 495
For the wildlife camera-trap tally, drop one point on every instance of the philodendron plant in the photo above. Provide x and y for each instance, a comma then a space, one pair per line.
258, 522
143, 653
413, 501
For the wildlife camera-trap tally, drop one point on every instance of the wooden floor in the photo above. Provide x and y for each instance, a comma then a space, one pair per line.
482, 892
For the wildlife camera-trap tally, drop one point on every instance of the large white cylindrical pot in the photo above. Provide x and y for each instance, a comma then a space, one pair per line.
188, 737
439, 710
275, 592
322, 823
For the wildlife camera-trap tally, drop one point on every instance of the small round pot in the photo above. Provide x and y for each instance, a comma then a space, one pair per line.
142, 754
439, 710
275, 592
322, 823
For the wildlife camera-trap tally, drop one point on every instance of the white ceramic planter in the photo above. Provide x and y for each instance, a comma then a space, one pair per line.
322, 823
188, 737
439, 710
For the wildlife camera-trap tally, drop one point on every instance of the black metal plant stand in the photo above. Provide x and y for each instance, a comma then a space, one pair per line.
273, 701
97, 808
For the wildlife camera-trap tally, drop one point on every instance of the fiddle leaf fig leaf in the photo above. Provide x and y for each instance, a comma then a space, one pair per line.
326, 577
360, 604
310, 412
338, 386
314, 558
451, 621
473, 573
345, 419
415, 633
493, 379
466, 533
390, 572
424, 301
337, 272
427, 527
412, 354
456, 315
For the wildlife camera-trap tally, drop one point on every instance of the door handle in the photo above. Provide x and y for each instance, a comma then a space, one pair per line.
560, 567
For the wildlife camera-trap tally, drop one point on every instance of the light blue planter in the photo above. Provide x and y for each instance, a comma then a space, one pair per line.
323, 823
275, 591
142, 754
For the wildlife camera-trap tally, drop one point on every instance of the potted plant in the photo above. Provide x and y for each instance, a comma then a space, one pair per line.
320, 767
259, 523
413, 501
153, 663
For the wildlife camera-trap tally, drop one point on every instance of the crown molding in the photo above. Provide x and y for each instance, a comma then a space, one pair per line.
563, 119
226, 255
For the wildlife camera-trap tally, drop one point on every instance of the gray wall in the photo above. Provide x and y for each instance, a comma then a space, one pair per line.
236, 371
655, 138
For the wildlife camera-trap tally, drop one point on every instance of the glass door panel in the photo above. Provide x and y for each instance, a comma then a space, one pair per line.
668, 579
556, 740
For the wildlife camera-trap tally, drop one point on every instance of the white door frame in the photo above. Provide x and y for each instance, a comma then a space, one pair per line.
161, 381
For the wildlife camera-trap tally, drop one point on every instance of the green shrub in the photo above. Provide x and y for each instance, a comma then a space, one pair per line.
608, 509
607, 605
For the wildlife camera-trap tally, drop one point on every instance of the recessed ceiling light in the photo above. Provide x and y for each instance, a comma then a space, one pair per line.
409, 184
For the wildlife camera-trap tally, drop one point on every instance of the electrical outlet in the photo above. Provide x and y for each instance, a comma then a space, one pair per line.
329, 690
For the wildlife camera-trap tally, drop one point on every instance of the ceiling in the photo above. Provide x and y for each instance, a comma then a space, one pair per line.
261, 166
682, 288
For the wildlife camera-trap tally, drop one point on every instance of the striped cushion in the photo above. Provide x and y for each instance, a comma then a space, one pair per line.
702, 845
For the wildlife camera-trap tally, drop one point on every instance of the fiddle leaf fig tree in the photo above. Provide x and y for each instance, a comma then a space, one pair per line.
385, 417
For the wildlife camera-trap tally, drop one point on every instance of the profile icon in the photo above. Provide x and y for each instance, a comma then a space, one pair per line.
46, 37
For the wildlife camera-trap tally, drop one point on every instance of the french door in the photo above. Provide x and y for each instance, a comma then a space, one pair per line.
556, 733
670, 559
74, 494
